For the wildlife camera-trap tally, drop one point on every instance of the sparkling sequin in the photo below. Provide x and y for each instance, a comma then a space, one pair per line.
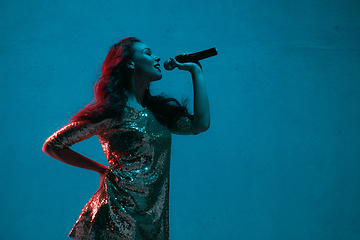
134, 202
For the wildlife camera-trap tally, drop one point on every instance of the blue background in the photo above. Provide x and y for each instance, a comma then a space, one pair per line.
282, 157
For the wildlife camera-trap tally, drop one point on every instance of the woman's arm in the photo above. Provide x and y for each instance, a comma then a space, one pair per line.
201, 121
73, 158
59, 143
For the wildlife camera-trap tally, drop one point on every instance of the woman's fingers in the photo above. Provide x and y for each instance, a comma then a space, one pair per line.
186, 65
189, 66
176, 63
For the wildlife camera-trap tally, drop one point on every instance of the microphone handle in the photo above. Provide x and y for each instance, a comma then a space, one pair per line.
194, 57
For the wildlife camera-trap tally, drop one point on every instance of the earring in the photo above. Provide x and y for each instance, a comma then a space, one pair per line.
129, 65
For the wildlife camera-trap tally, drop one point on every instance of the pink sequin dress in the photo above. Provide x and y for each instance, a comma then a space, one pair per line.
134, 203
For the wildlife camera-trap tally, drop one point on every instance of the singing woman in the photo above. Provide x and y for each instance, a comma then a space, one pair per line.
134, 129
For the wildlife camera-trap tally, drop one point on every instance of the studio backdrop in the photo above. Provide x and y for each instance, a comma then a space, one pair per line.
281, 159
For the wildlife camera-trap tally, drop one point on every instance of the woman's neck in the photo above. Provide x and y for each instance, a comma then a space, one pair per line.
136, 93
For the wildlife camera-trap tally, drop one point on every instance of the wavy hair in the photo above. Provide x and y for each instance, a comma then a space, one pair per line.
109, 91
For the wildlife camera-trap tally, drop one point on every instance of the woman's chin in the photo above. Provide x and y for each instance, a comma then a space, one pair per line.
158, 77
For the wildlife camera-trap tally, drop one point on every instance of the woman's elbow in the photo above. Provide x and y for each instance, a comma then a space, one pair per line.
48, 149
200, 128
205, 128
45, 148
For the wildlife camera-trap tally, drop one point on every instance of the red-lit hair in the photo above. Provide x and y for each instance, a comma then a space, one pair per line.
109, 90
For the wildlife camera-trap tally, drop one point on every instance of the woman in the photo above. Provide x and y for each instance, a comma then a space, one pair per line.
134, 129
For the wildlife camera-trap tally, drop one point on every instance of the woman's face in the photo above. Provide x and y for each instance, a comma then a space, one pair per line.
146, 64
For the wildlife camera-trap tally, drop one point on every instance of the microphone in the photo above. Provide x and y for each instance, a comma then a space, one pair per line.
193, 57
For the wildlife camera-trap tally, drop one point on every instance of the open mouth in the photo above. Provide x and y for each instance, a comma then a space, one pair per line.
157, 66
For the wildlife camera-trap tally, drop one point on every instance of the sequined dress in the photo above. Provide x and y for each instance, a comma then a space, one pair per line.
134, 201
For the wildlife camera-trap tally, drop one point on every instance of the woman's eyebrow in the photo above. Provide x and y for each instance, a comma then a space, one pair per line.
146, 49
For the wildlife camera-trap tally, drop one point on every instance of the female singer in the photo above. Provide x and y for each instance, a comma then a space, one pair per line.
134, 129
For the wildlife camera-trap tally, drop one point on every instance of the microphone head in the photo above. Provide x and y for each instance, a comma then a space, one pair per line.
169, 65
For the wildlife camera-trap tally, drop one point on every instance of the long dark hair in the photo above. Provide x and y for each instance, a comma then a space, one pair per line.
109, 91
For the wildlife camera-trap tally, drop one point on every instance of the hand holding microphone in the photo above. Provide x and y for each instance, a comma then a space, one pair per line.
193, 57
187, 66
